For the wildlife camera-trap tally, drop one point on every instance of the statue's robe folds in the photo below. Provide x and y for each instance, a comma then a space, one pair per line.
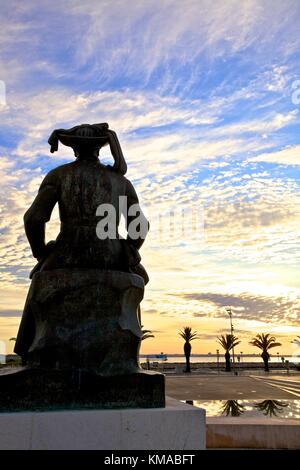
79, 188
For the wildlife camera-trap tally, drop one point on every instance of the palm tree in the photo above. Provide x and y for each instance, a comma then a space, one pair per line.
228, 342
146, 334
271, 407
232, 408
188, 335
265, 342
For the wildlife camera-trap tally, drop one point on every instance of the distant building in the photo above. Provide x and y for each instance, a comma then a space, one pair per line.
12, 359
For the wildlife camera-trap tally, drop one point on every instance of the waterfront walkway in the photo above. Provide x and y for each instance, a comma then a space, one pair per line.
213, 387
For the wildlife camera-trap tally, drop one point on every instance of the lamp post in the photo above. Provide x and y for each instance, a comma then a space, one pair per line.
218, 359
229, 311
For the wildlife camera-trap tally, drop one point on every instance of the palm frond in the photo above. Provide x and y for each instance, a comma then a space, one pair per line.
274, 345
264, 342
296, 340
228, 341
188, 334
146, 334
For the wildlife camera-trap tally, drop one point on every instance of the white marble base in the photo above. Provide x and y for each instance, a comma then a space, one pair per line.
176, 427
252, 433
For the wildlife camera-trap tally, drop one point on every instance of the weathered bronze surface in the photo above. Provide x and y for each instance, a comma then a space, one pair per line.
81, 329
85, 319
45, 390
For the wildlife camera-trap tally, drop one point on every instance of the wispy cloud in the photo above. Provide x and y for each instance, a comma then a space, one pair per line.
287, 156
249, 307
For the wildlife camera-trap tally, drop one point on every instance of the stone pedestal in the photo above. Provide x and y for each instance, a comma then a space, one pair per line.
83, 318
253, 433
42, 389
176, 427
81, 335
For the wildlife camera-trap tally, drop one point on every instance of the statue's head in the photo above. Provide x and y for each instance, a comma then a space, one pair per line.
86, 141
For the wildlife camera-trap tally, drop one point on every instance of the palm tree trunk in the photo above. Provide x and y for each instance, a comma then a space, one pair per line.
227, 361
187, 353
265, 356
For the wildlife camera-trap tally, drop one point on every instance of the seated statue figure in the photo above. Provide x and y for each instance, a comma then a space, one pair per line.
82, 316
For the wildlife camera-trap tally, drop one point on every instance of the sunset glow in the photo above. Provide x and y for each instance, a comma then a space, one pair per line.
206, 104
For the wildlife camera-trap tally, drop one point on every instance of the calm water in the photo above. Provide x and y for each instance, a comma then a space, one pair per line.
213, 358
251, 409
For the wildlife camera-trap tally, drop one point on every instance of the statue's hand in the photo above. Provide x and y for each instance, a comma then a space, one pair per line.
120, 165
48, 249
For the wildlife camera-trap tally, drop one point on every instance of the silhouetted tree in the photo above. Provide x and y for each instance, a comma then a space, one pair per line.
271, 407
265, 342
232, 408
188, 335
228, 342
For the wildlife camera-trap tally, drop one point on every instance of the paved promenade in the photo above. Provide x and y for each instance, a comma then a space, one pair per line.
212, 387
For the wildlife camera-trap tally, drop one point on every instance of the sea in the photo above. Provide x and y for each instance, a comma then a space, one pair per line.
171, 358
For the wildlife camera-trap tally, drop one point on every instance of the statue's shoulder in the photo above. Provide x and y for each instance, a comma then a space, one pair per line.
56, 175
126, 183
60, 170
114, 175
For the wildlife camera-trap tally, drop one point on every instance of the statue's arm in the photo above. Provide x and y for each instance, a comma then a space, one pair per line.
39, 214
136, 220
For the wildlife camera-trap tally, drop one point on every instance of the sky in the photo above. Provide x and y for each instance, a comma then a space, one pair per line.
205, 99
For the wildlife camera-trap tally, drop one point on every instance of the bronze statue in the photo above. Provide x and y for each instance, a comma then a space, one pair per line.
81, 326
79, 188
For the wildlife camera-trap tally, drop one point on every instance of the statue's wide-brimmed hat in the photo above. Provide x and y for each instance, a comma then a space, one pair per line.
77, 141
90, 136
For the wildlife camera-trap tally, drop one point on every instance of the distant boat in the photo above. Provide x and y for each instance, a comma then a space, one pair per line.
161, 356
